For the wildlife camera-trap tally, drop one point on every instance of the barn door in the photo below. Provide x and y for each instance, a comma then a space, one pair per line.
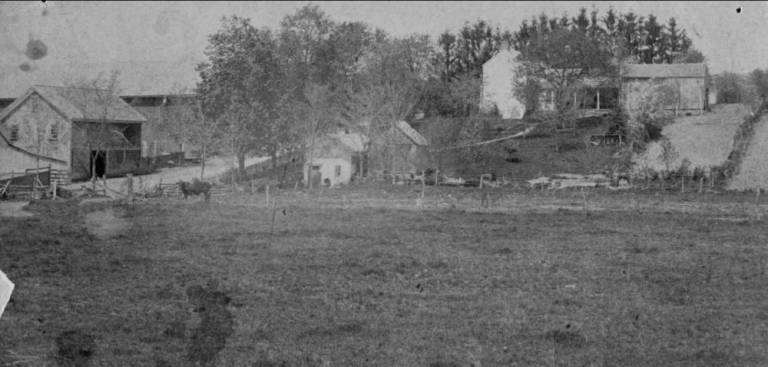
98, 163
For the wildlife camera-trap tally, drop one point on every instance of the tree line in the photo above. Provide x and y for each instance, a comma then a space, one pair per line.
266, 91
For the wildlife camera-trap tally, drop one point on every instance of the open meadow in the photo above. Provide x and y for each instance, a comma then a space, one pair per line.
356, 277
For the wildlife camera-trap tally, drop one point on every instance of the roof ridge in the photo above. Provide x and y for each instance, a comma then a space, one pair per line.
70, 87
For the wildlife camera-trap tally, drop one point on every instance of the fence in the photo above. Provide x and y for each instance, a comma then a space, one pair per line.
28, 181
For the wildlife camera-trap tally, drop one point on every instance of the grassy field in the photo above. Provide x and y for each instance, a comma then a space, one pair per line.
338, 283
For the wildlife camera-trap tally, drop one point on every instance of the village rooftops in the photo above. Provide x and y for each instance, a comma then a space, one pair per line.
81, 104
650, 71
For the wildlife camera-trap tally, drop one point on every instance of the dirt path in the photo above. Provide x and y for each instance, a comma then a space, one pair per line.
213, 168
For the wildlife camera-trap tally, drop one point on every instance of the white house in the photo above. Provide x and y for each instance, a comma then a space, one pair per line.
335, 159
498, 86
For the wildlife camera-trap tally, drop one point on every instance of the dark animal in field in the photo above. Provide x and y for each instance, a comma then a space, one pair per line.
195, 188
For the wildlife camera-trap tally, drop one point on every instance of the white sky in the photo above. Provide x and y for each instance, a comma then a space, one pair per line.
175, 32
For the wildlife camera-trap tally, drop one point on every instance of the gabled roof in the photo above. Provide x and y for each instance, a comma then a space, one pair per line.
81, 104
664, 71
411, 133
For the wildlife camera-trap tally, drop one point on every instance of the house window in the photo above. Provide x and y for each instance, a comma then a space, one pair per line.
14, 133
54, 133
338, 171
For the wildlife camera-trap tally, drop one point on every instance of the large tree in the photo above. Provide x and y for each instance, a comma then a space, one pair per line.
304, 38
467, 51
628, 36
391, 84
561, 58
184, 120
241, 85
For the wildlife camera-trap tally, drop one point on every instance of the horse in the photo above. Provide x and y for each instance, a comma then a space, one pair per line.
195, 188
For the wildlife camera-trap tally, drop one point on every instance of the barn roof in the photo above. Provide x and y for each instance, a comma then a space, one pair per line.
412, 134
354, 141
81, 104
664, 71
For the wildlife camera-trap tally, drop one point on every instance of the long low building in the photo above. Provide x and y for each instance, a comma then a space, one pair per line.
687, 81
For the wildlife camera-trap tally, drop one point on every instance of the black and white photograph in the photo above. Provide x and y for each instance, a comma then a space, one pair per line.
383, 183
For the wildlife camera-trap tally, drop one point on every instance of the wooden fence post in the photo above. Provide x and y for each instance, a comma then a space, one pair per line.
682, 184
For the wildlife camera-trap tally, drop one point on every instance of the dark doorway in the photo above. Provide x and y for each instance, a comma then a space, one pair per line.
359, 165
98, 163
315, 177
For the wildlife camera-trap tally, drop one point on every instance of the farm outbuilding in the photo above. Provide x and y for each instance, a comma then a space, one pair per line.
688, 81
78, 130
148, 86
335, 159
401, 150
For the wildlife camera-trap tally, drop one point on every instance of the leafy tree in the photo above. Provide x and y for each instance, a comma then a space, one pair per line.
672, 40
304, 38
759, 80
460, 62
730, 88
185, 121
628, 36
581, 22
470, 48
561, 58
241, 84
652, 48
390, 86
529, 91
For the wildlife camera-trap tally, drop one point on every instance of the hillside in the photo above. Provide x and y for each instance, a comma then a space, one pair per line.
535, 155
705, 140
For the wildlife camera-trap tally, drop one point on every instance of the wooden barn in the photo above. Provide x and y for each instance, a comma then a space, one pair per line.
401, 151
78, 130
689, 81
153, 88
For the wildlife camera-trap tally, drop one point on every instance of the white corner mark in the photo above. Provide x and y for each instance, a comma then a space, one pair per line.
6, 287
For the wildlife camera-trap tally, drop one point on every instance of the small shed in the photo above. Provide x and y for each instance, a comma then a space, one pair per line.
402, 150
81, 131
335, 159
688, 80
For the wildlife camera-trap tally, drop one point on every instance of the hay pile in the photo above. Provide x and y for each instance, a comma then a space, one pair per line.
705, 141
752, 173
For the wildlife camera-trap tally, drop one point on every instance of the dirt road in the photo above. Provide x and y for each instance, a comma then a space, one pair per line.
213, 168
